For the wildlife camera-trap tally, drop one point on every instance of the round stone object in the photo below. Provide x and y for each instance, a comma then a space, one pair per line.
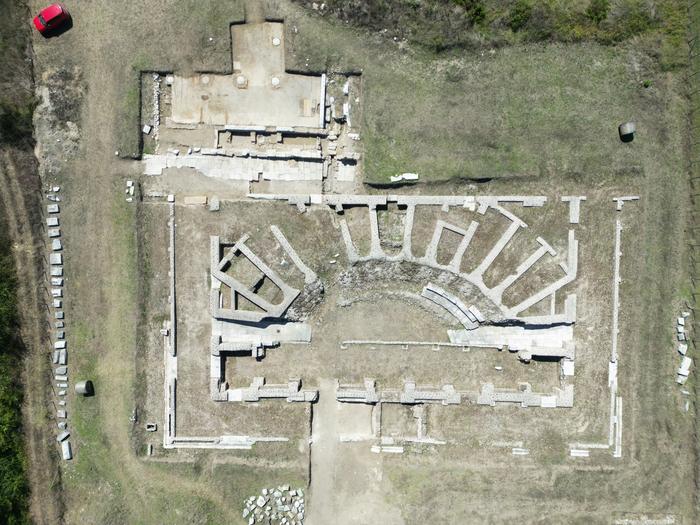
626, 131
276, 41
275, 82
84, 388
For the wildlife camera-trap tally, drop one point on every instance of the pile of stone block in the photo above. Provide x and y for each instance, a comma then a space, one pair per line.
404, 177
130, 188
276, 506
683, 370
681, 333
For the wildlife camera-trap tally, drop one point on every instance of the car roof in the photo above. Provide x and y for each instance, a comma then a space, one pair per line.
52, 11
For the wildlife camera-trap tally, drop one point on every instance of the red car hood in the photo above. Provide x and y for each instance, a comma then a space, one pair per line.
51, 12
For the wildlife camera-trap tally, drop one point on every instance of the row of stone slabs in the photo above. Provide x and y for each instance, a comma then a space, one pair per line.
59, 350
410, 394
448, 395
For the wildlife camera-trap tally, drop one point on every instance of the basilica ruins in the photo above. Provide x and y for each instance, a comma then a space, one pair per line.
304, 307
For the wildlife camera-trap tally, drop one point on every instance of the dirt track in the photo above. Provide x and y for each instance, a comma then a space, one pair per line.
21, 206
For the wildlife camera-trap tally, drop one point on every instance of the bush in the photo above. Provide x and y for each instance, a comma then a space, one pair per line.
520, 15
446, 26
598, 10
634, 17
544, 24
16, 122
475, 10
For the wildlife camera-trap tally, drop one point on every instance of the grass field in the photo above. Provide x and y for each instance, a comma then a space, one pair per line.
530, 110
13, 482
694, 169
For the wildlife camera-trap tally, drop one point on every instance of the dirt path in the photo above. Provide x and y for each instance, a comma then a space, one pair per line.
347, 485
116, 368
323, 455
44, 477
101, 302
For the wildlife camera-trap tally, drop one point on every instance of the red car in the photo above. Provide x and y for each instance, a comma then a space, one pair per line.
51, 18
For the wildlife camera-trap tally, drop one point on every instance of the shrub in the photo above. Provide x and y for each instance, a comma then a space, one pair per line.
474, 9
16, 122
544, 24
634, 17
598, 10
520, 15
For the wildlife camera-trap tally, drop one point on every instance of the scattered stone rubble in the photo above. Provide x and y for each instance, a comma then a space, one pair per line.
129, 191
308, 300
156, 105
683, 370
276, 506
